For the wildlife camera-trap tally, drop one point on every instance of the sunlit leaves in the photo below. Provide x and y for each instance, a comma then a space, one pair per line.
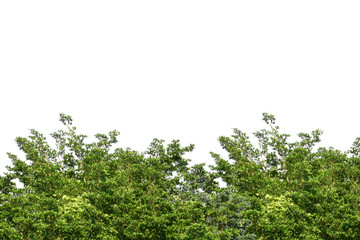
80, 190
296, 192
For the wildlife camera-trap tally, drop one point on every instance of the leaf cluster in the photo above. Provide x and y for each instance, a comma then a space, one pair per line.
295, 192
79, 190
276, 190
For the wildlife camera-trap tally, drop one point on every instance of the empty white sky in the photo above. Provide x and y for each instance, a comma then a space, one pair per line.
188, 70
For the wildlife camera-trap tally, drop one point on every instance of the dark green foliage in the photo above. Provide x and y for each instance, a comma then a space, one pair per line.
294, 191
85, 191
278, 190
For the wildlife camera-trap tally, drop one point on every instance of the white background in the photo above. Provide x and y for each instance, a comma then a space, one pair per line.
188, 70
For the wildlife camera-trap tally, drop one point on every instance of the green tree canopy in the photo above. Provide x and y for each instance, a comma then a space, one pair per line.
80, 190
277, 190
295, 192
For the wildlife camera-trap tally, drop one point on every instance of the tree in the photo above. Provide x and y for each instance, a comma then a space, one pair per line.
80, 190
295, 192
278, 190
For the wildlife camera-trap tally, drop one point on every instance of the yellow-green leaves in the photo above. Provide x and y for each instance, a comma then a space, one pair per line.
80, 190
295, 192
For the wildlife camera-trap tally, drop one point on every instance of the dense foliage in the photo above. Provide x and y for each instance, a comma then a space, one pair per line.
278, 190
295, 192
86, 191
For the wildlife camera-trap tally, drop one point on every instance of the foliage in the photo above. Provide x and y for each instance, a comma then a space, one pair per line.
295, 192
276, 190
81, 190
